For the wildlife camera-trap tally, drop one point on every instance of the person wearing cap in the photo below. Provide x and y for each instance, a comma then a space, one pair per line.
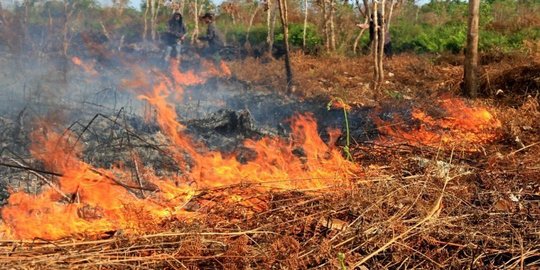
174, 37
213, 36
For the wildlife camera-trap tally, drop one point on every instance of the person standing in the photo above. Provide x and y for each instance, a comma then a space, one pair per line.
213, 37
174, 37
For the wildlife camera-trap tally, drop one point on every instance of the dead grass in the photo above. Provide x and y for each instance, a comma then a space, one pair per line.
448, 214
412, 207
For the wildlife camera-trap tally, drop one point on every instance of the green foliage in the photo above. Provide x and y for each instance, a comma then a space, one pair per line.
236, 34
425, 38
296, 32
442, 27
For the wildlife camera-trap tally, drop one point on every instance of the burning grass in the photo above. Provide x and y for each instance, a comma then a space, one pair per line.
419, 219
465, 197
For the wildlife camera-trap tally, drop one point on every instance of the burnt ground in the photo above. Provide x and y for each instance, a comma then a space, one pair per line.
413, 206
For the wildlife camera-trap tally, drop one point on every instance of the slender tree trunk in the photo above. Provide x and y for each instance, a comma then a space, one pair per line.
158, 7
332, 28
393, 3
153, 19
325, 26
357, 39
195, 33
145, 28
271, 24
375, 45
470, 86
369, 16
381, 45
364, 12
251, 21
268, 23
285, 24
305, 25
68, 12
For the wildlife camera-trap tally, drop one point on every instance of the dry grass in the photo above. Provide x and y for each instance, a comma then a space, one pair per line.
412, 207
398, 215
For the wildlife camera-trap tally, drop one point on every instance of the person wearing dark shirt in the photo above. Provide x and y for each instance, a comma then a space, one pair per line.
213, 36
174, 37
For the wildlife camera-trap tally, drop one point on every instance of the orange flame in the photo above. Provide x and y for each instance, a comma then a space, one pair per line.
462, 125
88, 201
88, 68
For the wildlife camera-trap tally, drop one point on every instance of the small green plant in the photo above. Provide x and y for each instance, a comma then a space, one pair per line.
344, 105
395, 94
341, 259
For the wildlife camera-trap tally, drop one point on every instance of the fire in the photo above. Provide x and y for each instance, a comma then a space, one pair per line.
88, 68
462, 125
276, 166
87, 201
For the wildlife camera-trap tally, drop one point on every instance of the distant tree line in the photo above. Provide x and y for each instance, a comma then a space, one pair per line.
314, 26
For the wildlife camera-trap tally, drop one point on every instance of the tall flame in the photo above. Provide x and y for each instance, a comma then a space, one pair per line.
89, 201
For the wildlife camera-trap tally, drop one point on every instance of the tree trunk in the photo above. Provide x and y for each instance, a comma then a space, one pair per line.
364, 12
470, 86
268, 25
357, 39
325, 26
285, 24
381, 44
145, 28
390, 14
154, 11
251, 21
305, 25
375, 50
158, 6
332, 28
271, 24
195, 34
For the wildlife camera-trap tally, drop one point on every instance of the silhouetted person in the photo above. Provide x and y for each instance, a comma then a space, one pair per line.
213, 37
175, 35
